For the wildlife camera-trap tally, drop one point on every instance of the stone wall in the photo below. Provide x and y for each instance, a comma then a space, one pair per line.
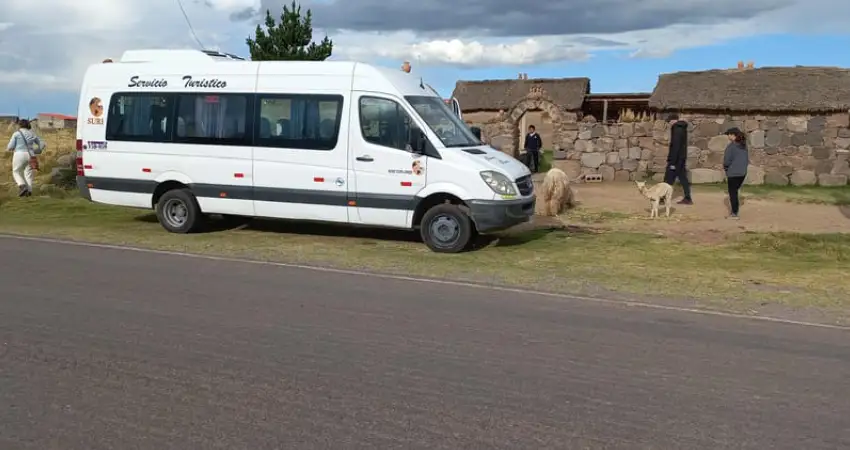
798, 150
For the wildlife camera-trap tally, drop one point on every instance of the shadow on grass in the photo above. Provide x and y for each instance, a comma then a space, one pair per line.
528, 236
217, 225
319, 229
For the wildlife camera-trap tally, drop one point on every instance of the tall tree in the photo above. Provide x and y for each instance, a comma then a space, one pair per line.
289, 40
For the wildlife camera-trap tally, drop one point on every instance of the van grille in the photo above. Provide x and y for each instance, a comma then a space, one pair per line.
525, 185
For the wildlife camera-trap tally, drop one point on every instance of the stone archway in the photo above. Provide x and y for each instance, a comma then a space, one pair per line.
503, 131
536, 99
534, 102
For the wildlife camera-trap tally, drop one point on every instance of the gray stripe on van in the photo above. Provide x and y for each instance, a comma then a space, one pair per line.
264, 194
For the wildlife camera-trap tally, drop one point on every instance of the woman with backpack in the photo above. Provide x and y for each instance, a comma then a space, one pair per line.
26, 147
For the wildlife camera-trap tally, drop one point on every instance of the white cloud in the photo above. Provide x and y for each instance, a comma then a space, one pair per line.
456, 51
233, 5
658, 43
52, 52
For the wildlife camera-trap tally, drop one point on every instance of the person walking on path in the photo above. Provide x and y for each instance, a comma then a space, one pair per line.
26, 146
736, 159
533, 145
677, 157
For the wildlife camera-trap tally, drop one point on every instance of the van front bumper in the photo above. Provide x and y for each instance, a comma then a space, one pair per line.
497, 215
83, 187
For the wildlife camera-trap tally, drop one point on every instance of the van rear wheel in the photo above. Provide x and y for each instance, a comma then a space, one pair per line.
447, 229
178, 211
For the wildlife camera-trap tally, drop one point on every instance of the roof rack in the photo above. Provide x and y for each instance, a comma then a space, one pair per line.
177, 56
217, 54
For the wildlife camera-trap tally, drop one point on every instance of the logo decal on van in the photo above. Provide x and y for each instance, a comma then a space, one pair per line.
214, 83
95, 145
417, 168
136, 81
96, 110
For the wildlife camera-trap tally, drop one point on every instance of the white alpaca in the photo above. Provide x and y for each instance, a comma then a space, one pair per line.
555, 194
655, 194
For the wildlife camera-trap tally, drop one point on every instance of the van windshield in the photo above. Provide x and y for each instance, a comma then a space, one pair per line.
451, 130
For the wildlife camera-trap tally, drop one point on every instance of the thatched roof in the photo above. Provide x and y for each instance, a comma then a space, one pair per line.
493, 95
768, 89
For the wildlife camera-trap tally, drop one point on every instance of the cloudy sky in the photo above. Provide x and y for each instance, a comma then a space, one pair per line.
622, 45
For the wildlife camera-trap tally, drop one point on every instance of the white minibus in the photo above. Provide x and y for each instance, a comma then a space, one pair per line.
192, 133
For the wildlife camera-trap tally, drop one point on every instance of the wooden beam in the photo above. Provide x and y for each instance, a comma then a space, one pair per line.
605, 111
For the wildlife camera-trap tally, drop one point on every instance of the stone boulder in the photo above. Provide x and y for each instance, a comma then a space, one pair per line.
607, 173
630, 164
803, 178
842, 143
706, 176
583, 146
693, 152
755, 175
796, 124
592, 160
826, 179
841, 165
718, 143
773, 137
757, 139
776, 178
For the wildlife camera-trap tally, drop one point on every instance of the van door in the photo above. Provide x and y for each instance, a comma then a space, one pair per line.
387, 174
300, 157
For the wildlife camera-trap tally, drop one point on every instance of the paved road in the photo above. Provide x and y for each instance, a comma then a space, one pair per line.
110, 349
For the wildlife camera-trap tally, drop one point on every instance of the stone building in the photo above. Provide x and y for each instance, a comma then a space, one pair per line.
503, 109
796, 120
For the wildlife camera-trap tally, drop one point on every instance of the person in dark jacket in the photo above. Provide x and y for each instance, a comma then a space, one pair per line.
677, 157
736, 159
533, 145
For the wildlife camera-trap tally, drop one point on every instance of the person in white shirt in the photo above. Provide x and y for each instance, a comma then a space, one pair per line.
25, 145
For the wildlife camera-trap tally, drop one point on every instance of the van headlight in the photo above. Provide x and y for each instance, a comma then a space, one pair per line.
499, 183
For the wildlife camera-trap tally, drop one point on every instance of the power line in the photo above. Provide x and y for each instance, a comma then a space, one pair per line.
189, 23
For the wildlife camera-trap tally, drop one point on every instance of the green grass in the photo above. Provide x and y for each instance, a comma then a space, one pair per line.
839, 195
742, 274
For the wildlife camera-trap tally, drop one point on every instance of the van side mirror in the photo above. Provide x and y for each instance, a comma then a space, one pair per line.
417, 141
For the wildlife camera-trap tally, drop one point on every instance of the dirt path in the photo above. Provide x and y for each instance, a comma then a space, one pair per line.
626, 209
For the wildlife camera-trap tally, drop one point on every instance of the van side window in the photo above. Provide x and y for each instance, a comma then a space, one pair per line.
213, 119
384, 122
305, 122
139, 117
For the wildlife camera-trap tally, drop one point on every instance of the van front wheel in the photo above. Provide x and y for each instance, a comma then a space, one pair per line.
178, 211
447, 229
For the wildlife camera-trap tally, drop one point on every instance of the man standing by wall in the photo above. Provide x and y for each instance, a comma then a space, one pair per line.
678, 156
533, 145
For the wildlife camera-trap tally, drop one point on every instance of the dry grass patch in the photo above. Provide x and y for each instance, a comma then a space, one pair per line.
742, 274
59, 143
